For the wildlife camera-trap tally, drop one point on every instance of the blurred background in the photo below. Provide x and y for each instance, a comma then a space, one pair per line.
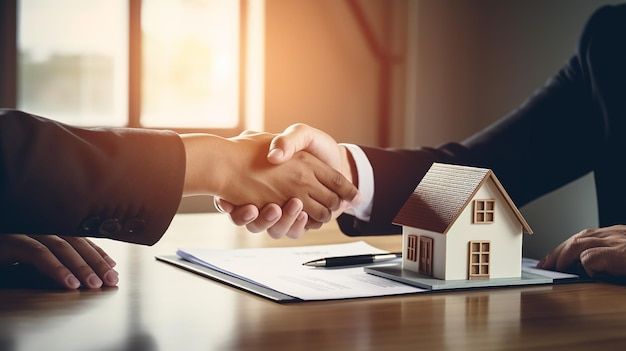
400, 73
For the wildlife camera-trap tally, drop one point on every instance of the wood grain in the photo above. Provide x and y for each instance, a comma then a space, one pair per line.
160, 307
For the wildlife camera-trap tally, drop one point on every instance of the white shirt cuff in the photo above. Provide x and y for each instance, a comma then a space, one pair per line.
365, 173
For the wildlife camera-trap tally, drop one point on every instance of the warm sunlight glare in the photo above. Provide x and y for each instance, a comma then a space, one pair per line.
190, 63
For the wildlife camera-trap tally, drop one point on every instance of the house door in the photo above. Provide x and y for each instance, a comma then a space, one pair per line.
426, 255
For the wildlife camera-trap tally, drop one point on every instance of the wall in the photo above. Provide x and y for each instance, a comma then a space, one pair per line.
319, 69
477, 60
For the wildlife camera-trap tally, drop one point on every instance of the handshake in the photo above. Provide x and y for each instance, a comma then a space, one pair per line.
284, 183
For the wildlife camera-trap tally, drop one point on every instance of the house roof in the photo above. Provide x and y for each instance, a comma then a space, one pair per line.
443, 193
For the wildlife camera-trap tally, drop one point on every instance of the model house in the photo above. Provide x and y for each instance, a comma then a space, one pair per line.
459, 223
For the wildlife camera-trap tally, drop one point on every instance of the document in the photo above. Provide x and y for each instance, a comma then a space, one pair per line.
281, 269
530, 265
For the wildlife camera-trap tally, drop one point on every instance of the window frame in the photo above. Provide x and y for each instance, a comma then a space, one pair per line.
9, 66
481, 209
412, 247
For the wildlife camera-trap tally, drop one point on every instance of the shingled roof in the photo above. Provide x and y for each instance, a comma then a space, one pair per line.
442, 195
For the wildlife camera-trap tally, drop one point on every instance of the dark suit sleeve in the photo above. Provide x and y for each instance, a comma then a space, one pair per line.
119, 183
551, 139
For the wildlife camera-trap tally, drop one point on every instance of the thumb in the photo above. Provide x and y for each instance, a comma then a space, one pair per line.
295, 138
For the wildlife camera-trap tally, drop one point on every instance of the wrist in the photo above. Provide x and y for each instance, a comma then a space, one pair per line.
203, 173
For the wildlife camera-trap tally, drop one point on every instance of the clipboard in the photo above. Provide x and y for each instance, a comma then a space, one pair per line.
229, 280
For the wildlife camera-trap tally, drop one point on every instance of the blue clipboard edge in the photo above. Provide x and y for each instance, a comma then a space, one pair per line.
229, 280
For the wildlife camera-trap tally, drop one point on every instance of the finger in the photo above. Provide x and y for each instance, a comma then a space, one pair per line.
93, 258
313, 224
290, 213
222, 206
269, 215
550, 260
298, 227
604, 261
72, 260
242, 215
33, 252
104, 255
316, 210
293, 139
570, 254
337, 183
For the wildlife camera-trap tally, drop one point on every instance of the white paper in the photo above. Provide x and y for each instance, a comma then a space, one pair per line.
530, 265
281, 269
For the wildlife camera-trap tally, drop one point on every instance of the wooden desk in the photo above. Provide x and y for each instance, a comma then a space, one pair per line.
160, 307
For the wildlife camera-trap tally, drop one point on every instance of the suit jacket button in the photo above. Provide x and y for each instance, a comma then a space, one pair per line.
90, 225
135, 226
110, 226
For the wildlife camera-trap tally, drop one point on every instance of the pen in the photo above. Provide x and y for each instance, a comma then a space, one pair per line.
352, 260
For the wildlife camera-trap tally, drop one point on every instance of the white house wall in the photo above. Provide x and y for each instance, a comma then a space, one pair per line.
505, 235
439, 251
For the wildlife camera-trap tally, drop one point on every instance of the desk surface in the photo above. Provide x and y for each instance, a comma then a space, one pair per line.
160, 307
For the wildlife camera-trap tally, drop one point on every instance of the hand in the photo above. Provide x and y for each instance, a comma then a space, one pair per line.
289, 221
239, 172
597, 252
295, 138
69, 261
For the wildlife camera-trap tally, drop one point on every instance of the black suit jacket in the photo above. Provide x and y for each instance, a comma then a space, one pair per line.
123, 184
575, 124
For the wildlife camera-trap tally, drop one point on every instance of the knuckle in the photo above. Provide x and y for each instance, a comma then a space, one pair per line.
333, 201
60, 245
576, 242
39, 250
337, 180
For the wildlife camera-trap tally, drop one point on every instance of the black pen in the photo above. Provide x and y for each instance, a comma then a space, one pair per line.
352, 260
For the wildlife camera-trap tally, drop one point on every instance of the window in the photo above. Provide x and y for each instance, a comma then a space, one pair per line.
412, 248
484, 211
478, 267
190, 61
139, 63
73, 60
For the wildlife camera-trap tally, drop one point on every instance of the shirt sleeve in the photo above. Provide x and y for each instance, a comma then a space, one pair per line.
366, 183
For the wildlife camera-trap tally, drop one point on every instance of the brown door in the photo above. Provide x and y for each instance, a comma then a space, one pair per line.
426, 256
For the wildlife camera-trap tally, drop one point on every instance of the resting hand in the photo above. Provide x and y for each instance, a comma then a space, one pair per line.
278, 223
599, 252
71, 262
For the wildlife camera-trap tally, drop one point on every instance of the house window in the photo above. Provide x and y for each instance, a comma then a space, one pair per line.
484, 211
478, 267
412, 248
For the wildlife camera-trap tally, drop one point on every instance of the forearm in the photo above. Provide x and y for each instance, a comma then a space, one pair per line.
123, 184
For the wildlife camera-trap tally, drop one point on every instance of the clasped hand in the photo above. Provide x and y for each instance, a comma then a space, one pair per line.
288, 220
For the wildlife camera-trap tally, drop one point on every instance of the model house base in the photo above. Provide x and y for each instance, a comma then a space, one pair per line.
395, 272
